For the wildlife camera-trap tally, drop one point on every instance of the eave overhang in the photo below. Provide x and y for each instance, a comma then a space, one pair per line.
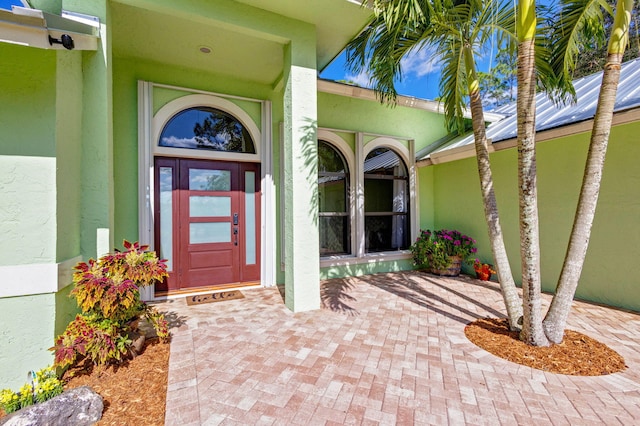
468, 151
35, 28
357, 92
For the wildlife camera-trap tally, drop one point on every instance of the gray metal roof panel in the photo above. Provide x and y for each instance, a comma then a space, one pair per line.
383, 161
550, 115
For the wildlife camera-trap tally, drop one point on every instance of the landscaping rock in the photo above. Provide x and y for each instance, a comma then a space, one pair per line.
137, 342
77, 407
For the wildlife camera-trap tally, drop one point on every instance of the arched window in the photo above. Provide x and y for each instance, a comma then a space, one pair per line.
386, 201
333, 201
206, 128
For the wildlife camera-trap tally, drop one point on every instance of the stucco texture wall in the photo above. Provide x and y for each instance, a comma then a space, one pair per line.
608, 275
40, 114
27, 155
344, 113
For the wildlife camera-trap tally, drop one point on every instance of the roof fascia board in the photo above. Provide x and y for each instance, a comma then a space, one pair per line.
467, 151
356, 92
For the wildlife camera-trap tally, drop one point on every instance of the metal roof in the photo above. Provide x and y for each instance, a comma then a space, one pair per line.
549, 115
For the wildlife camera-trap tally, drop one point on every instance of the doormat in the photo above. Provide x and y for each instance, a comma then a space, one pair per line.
214, 297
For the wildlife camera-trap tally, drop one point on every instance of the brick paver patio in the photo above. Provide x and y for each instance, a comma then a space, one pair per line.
386, 349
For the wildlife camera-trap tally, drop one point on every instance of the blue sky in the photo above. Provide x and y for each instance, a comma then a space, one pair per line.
421, 71
6, 4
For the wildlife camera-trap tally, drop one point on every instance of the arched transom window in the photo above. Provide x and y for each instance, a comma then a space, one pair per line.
208, 129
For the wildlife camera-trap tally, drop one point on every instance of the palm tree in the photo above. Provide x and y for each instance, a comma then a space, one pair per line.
526, 25
456, 29
577, 16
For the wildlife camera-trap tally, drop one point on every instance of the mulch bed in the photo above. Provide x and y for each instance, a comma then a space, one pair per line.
134, 393
577, 355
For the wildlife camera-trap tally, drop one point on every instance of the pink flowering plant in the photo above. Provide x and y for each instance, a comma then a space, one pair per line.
433, 249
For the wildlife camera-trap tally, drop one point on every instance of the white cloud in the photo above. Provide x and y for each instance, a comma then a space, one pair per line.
179, 142
363, 79
420, 62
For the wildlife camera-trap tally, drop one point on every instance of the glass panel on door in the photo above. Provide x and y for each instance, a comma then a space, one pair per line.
209, 206
209, 232
250, 217
209, 180
166, 215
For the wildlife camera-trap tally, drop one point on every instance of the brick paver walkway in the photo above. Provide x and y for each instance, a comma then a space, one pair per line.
386, 349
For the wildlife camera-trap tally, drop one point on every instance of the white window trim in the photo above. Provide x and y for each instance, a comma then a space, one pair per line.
169, 110
343, 147
355, 161
149, 130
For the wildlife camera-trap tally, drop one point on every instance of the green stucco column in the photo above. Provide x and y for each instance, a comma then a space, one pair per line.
97, 135
302, 274
40, 111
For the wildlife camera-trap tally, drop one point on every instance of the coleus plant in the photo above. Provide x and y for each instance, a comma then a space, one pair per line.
107, 292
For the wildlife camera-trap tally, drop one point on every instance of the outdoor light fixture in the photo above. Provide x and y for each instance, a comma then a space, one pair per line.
65, 40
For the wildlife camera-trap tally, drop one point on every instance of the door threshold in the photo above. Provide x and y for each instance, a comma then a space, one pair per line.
175, 294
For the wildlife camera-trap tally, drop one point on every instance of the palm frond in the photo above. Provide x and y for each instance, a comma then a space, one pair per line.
380, 47
580, 20
453, 85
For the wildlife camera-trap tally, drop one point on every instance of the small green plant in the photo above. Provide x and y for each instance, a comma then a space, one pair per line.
9, 401
47, 385
433, 249
26, 395
44, 386
107, 292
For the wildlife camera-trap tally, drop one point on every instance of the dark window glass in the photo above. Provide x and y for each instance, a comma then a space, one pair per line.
386, 202
333, 201
206, 128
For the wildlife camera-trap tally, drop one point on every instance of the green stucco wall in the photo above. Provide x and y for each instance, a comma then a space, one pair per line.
344, 113
68, 154
358, 269
40, 186
607, 275
29, 327
27, 155
51, 6
27, 332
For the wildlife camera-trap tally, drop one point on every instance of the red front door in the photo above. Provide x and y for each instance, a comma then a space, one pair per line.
212, 238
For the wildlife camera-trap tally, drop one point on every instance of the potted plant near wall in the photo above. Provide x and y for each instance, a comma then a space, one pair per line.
442, 252
483, 270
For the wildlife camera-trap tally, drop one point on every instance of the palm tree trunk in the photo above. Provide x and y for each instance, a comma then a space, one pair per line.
556, 319
507, 285
532, 331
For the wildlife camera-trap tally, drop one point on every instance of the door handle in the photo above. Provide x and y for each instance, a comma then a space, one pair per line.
235, 233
